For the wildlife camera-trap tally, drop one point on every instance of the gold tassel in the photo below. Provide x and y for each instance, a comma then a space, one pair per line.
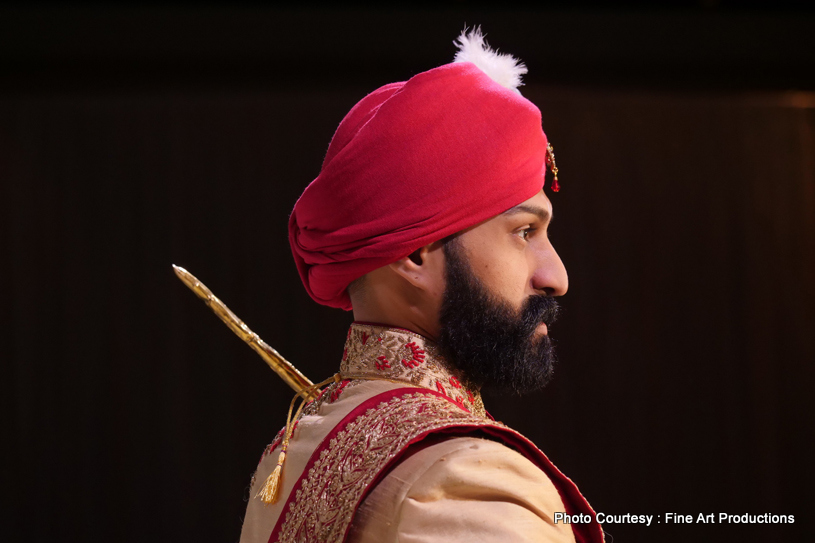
268, 494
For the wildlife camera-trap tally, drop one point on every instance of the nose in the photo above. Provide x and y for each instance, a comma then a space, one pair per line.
549, 274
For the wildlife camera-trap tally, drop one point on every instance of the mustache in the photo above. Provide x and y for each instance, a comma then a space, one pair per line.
539, 309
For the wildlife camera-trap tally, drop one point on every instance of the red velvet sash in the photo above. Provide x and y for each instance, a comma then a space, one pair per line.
371, 439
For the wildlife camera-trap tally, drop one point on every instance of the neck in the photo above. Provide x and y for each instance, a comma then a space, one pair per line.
398, 315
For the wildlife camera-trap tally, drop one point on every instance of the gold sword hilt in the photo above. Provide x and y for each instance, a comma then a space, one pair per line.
280, 365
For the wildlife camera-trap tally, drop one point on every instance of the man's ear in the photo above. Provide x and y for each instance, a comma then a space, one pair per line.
423, 268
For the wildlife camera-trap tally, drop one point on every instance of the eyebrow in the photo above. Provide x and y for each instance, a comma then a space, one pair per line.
542, 213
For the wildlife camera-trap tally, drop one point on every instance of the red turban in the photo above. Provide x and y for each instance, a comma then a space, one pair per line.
410, 164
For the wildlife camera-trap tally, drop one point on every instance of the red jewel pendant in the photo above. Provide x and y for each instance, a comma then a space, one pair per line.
550, 161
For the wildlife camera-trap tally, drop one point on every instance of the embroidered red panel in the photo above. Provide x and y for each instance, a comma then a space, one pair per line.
358, 451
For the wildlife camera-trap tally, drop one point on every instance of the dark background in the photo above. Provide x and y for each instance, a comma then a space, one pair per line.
136, 136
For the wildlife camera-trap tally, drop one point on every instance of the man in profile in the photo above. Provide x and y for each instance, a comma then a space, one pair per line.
428, 220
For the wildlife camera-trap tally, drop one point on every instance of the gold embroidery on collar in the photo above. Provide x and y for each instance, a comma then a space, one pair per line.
324, 504
394, 354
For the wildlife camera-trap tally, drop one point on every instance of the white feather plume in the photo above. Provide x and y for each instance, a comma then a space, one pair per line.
502, 68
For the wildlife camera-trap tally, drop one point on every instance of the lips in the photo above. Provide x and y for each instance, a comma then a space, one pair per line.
539, 312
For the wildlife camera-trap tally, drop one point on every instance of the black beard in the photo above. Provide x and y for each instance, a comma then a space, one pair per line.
485, 338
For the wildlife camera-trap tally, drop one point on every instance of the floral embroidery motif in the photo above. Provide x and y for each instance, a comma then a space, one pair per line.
345, 468
417, 355
382, 363
335, 393
401, 355
329, 394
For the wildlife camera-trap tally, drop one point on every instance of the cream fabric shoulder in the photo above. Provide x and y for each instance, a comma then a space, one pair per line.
462, 489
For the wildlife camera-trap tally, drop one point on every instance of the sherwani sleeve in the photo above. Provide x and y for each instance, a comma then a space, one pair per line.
462, 490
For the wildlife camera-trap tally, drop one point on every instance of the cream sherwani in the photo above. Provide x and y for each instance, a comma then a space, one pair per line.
396, 472
462, 490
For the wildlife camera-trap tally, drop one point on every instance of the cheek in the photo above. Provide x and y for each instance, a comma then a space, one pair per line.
504, 271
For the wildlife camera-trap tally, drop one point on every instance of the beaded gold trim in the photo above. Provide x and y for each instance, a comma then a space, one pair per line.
378, 352
323, 505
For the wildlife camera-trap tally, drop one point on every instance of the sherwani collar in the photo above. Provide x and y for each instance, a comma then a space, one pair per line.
395, 354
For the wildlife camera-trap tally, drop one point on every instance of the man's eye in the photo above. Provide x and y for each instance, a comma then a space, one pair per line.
526, 232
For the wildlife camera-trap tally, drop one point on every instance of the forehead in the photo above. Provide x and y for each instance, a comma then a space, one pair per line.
539, 205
